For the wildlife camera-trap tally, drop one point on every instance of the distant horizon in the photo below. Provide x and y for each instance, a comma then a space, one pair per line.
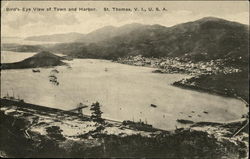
114, 27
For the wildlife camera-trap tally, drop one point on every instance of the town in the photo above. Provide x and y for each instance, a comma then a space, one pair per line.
180, 65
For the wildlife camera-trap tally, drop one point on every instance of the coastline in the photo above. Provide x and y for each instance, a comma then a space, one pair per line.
207, 90
165, 69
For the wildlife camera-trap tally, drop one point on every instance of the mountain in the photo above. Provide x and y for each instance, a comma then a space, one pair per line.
207, 38
204, 39
41, 59
108, 32
98, 35
68, 37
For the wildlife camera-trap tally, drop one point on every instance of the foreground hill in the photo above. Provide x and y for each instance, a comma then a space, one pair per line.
33, 131
42, 59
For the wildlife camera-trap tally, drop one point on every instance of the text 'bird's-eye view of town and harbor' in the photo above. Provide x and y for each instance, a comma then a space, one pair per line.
124, 79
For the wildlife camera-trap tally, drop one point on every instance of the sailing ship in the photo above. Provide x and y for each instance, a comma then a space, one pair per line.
13, 98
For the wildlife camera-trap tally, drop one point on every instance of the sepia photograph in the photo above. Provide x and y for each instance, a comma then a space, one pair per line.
124, 79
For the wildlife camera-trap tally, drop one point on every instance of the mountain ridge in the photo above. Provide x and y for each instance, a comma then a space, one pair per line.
203, 39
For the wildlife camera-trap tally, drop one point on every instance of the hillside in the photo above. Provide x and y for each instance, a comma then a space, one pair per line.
204, 39
98, 35
229, 85
68, 37
41, 59
207, 38
34, 131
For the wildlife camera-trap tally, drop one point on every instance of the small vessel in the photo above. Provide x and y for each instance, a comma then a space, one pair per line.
13, 98
35, 70
106, 70
153, 105
52, 76
183, 121
54, 71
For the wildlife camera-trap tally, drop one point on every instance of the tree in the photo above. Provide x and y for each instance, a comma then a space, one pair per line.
55, 133
97, 113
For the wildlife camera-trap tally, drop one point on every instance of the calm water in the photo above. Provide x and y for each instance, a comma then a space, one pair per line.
125, 92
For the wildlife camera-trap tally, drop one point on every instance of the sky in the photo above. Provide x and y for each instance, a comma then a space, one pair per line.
30, 23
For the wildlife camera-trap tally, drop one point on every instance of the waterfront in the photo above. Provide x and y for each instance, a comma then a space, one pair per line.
125, 92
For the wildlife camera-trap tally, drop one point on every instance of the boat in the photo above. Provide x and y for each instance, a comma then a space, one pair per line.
153, 105
52, 76
54, 71
183, 121
35, 70
13, 98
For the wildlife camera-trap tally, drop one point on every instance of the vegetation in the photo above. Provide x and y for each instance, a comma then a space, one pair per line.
19, 140
185, 143
54, 132
96, 114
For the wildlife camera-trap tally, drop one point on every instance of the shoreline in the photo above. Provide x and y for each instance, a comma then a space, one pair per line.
209, 91
187, 86
40, 108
